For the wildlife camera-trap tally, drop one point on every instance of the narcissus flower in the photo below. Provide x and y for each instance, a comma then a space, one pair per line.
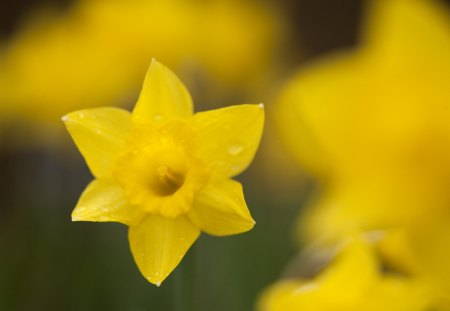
226, 44
354, 281
164, 171
373, 126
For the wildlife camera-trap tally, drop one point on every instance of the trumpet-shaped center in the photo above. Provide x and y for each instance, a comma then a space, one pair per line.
164, 170
167, 181
158, 169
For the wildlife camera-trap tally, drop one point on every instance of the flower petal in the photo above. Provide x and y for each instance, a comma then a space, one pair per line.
312, 125
99, 135
395, 28
220, 209
159, 243
163, 96
105, 201
229, 137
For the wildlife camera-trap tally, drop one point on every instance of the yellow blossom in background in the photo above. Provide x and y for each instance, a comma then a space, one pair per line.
354, 281
373, 125
164, 171
93, 54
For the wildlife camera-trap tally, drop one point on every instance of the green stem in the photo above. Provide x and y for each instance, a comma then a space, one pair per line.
184, 283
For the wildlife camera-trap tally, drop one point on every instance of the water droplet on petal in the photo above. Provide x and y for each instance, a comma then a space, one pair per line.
307, 288
235, 149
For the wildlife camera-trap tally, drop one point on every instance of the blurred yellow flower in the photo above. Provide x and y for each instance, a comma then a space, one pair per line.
165, 172
354, 281
373, 124
57, 63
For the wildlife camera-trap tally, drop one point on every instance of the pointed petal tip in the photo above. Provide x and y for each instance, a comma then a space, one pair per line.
250, 222
249, 219
155, 280
75, 217
72, 117
251, 225
154, 64
246, 228
159, 243
163, 95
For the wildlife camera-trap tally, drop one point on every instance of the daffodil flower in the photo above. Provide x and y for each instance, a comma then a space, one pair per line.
373, 125
164, 171
353, 281
228, 45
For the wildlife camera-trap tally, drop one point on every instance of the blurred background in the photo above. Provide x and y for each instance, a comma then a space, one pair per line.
57, 56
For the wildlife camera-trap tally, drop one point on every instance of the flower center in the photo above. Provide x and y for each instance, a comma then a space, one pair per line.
158, 169
166, 180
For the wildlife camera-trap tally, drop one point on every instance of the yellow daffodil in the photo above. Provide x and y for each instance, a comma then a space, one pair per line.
93, 54
373, 124
164, 171
354, 281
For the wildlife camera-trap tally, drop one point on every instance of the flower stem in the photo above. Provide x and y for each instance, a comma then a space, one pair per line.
184, 283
